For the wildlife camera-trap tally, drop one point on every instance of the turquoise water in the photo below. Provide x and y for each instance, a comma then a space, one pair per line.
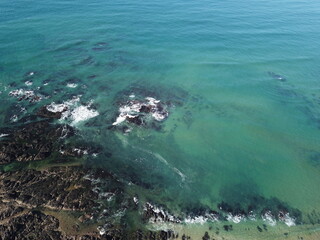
242, 79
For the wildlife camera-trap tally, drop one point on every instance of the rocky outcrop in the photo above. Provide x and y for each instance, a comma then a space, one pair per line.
30, 225
44, 112
33, 141
26, 195
59, 188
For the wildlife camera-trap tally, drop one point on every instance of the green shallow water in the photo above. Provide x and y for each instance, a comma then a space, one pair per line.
239, 133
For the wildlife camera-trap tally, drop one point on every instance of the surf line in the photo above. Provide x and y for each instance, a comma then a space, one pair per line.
163, 160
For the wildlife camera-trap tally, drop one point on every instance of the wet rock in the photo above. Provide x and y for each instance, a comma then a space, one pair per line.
184, 237
59, 188
31, 225
25, 95
13, 84
144, 112
259, 228
92, 76
26, 224
277, 76
206, 236
271, 209
44, 112
265, 227
32, 141
86, 61
30, 74
227, 228
135, 120
90, 237
170, 97
153, 213
46, 81
146, 108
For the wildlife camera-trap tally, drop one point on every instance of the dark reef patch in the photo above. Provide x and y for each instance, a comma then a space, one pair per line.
146, 106
262, 206
277, 76
227, 228
244, 199
169, 96
44, 112
314, 158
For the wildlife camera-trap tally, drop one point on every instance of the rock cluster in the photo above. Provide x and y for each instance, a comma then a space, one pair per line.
23, 194
58, 188
26, 95
33, 141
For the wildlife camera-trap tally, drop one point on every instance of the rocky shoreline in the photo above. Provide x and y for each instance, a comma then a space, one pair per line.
36, 201
46, 192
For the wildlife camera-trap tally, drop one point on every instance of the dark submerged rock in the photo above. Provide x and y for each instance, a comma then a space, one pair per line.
44, 112
158, 213
254, 203
277, 76
25, 95
227, 228
206, 236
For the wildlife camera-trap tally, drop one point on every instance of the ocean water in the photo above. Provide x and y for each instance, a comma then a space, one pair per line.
239, 79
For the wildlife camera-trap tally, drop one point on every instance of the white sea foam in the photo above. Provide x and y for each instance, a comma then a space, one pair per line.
53, 107
289, 221
73, 111
119, 120
120, 213
183, 177
135, 200
152, 101
23, 110
72, 85
80, 151
82, 113
133, 107
28, 83
107, 195
269, 218
27, 94
197, 219
14, 118
252, 216
159, 116
162, 159
162, 215
101, 230
235, 218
